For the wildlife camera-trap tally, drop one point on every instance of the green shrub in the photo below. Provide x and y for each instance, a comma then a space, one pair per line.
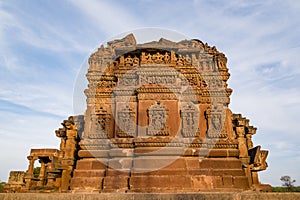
2, 186
36, 172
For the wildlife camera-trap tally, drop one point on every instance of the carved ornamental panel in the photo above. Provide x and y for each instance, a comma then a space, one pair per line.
157, 121
126, 124
215, 118
100, 124
190, 120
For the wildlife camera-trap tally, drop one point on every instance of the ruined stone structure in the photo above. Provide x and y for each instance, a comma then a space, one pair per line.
157, 120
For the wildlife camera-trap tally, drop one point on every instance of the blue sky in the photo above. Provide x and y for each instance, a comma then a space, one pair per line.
44, 44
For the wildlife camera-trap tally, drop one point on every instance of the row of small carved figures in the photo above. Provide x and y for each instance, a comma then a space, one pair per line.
166, 58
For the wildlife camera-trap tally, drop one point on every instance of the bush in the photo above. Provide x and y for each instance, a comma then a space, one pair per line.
2, 186
284, 189
36, 172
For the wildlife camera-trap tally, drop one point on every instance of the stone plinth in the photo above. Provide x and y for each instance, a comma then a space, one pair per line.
147, 196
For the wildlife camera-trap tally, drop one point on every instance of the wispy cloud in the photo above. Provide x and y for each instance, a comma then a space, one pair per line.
108, 16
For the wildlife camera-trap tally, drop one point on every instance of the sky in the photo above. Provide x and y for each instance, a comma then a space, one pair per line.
44, 46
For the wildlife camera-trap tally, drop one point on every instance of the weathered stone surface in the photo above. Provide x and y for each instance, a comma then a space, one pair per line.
157, 120
147, 196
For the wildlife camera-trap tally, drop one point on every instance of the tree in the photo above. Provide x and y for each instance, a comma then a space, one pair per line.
2, 186
288, 183
36, 172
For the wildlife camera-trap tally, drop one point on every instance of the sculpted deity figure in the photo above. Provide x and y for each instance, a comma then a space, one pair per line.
216, 122
158, 120
128, 61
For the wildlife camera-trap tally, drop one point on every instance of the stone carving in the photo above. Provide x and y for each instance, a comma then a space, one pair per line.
157, 58
129, 61
100, 126
127, 81
157, 120
190, 120
160, 80
126, 124
215, 117
177, 110
258, 159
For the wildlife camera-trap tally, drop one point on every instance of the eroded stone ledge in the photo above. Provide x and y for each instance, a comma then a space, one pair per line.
148, 196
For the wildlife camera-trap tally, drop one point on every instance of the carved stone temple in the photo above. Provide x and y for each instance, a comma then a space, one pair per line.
157, 120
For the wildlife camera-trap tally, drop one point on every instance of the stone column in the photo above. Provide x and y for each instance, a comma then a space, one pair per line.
65, 179
42, 173
240, 131
29, 174
31, 165
249, 141
50, 175
255, 180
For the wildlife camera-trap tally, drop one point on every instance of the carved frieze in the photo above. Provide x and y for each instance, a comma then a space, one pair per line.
157, 58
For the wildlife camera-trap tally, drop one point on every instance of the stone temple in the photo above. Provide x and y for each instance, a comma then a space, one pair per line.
157, 120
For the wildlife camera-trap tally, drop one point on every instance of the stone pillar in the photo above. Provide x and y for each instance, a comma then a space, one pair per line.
50, 176
240, 131
29, 174
255, 178
69, 155
42, 173
31, 165
62, 147
65, 179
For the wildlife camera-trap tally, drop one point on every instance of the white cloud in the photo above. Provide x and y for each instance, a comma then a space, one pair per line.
107, 16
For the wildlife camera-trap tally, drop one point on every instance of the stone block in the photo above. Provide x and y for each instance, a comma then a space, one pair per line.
159, 151
87, 164
169, 172
120, 163
115, 183
217, 153
139, 183
118, 172
227, 181
121, 152
193, 163
202, 182
89, 173
232, 172
217, 182
93, 153
86, 183
207, 172
240, 182
152, 163
221, 163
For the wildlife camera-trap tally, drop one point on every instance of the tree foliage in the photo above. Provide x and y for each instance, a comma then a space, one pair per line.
2, 186
288, 183
36, 172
